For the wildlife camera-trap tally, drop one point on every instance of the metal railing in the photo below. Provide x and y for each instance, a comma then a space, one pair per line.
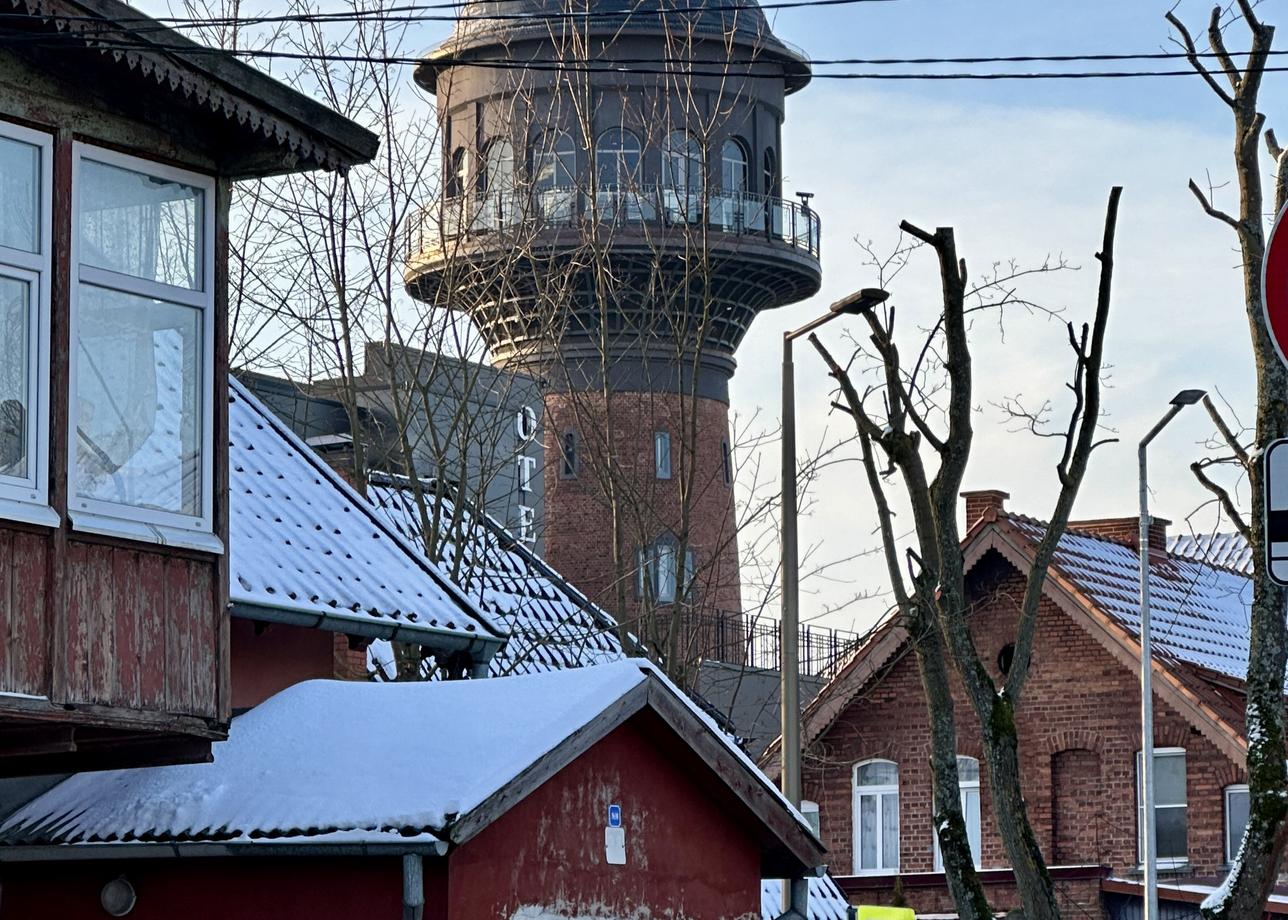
757, 642
778, 220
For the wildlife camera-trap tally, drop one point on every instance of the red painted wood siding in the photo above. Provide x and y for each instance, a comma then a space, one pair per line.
142, 630
24, 665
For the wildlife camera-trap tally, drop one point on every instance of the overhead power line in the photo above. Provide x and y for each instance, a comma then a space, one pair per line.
644, 66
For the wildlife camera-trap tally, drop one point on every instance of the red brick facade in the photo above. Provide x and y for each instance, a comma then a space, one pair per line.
1079, 733
578, 514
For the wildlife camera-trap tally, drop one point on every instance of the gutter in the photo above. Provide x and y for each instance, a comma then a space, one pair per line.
481, 649
76, 852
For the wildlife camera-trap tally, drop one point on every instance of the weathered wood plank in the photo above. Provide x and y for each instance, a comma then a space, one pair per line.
206, 644
151, 641
28, 612
178, 658
81, 596
125, 626
11, 667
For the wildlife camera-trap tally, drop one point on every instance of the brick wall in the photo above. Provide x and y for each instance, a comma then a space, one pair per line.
1078, 721
578, 527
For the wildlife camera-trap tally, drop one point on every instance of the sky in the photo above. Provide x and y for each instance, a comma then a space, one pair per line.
1021, 170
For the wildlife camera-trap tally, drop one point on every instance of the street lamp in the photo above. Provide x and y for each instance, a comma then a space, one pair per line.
1179, 402
856, 303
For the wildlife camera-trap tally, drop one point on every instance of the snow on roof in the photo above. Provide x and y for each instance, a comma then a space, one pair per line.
374, 761
303, 542
826, 902
552, 625
1199, 612
1226, 550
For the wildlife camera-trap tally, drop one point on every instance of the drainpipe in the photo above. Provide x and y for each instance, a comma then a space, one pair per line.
795, 900
413, 887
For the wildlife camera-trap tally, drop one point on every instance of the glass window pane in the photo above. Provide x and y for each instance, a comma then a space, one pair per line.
878, 773
1236, 819
15, 375
970, 812
867, 832
1169, 828
139, 225
19, 195
967, 770
890, 830
138, 401
666, 572
1169, 779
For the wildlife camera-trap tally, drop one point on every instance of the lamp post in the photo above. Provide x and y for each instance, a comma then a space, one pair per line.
858, 302
1179, 402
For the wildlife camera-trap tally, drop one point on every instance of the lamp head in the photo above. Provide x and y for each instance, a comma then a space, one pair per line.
1188, 397
860, 301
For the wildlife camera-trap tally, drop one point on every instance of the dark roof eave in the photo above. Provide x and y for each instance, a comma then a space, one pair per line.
348, 142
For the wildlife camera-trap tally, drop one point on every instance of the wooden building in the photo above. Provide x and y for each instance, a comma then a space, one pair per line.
590, 792
119, 142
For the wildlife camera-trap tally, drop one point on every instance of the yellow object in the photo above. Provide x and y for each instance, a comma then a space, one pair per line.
867, 912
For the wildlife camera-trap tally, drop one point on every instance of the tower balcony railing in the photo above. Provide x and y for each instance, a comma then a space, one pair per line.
509, 211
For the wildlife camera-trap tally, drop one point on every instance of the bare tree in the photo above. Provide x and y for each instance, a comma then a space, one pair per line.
914, 424
1254, 870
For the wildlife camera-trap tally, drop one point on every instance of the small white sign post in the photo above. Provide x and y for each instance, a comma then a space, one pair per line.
1274, 301
1275, 476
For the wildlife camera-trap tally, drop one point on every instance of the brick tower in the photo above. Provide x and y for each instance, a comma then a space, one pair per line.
612, 220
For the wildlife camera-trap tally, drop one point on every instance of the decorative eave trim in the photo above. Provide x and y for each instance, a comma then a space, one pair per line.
188, 79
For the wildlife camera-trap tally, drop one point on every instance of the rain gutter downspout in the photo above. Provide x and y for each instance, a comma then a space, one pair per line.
798, 905
413, 887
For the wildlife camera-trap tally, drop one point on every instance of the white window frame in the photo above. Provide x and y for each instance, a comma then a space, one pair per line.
27, 498
879, 793
662, 454
116, 518
964, 788
1168, 862
1231, 846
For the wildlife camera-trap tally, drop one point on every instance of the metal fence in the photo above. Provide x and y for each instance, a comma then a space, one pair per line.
757, 642
776, 219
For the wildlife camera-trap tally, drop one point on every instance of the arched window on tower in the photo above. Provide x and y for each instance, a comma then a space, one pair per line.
773, 181
495, 184
554, 175
681, 177
733, 185
656, 576
617, 174
458, 175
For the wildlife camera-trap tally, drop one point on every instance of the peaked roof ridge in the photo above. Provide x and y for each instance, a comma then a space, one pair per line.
239, 391
1072, 527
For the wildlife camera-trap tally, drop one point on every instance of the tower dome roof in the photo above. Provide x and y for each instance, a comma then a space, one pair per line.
491, 24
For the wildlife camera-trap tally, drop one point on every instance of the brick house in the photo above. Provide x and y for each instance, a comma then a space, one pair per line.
866, 746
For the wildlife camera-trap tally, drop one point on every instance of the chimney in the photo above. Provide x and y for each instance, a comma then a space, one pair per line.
982, 501
1126, 530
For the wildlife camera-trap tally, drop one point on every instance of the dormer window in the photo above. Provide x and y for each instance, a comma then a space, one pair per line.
25, 206
141, 413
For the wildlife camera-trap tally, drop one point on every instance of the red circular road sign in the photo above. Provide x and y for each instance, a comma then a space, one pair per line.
1274, 284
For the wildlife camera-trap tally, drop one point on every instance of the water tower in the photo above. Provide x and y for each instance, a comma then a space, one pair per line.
612, 219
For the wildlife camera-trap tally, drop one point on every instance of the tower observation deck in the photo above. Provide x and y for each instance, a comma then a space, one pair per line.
612, 218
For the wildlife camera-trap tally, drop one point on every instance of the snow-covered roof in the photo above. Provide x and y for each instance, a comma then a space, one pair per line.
826, 902
1199, 612
552, 625
1227, 550
304, 546
379, 762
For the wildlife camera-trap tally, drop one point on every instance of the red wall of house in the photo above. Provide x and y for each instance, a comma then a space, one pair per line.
214, 888
692, 850
1079, 720
689, 845
269, 657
